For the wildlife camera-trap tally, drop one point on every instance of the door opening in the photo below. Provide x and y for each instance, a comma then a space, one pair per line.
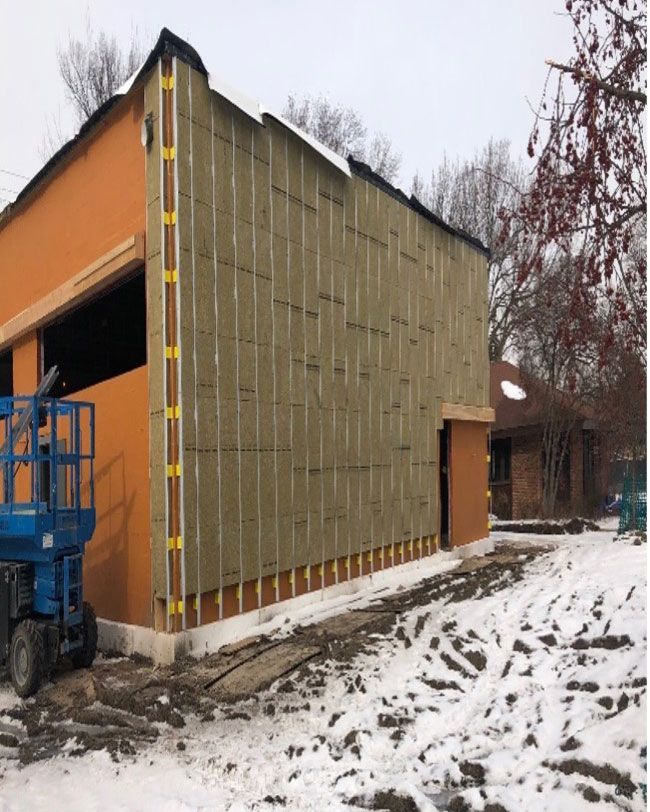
444, 485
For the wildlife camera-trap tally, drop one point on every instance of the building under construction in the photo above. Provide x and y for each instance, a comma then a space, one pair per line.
287, 355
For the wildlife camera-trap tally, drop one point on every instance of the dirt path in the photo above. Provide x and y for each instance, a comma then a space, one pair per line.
120, 704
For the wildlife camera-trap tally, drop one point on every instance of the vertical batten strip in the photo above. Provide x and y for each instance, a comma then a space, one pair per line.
320, 379
276, 493
163, 341
195, 365
216, 358
179, 374
172, 355
257, 384
291, 386
304, 357
369, 511
237, 366
334, 387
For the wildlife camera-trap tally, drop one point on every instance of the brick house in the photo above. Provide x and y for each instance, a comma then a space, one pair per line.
517, 453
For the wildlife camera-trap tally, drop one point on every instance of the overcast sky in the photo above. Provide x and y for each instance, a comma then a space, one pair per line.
437, 76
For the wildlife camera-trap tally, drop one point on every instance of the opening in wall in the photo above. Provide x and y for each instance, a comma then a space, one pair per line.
6, 374
99, 340
444, 484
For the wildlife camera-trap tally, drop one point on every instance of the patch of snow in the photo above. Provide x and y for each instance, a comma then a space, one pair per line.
512, 391
511, 713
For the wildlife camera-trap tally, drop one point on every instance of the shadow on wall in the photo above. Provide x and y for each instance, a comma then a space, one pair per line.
106, 561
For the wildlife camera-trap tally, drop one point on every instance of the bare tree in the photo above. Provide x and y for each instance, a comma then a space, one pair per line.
93, 69
563, 376
472, 195
342, 130
589, 188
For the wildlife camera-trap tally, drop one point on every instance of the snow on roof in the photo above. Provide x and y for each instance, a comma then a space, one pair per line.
171, 45
512, 391
256, 110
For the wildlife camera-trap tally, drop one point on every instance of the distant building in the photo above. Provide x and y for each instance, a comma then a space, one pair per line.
517, 454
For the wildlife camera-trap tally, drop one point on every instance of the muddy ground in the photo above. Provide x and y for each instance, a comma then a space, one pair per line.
119, 704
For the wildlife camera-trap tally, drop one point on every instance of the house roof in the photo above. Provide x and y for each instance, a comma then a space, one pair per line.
507, 385
170, 44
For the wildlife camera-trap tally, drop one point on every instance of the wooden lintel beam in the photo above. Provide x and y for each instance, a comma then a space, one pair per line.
109, 268
458, 411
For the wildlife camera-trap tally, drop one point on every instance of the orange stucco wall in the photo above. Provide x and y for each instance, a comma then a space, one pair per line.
468, 481
117, 565
91, 203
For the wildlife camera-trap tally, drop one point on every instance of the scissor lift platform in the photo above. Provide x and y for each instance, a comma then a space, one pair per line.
47, 516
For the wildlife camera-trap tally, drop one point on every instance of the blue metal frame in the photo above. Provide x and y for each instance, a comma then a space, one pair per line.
48, 528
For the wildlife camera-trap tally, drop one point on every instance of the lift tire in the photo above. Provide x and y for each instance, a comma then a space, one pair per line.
27, 658
83, 657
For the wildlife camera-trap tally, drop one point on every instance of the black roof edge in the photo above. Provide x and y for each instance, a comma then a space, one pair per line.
170, 44
362, 170
167, 43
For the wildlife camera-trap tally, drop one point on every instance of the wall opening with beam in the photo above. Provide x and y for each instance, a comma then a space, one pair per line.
99, 340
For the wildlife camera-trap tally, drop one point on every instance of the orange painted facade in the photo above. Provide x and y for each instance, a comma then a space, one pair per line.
91, 202
468, 481
117, 564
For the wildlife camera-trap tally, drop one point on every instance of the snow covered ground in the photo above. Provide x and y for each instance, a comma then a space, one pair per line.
531, 696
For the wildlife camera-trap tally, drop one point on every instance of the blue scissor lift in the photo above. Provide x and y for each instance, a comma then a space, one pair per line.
47, 515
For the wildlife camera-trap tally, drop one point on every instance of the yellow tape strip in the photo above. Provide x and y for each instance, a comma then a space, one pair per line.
359, 559
169, 218
175, 608
173, 470
217, 596
274, 582
173, 412
167, 84
305, 572
487, 458
171, 276
168, 153
291, 577
489, 494
238, 592
172, 352
195, 603
257, 587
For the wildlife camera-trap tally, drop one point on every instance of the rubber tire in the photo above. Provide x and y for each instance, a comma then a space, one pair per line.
27, 637
83, 657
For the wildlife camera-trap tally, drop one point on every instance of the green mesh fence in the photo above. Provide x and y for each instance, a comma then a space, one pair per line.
634, 505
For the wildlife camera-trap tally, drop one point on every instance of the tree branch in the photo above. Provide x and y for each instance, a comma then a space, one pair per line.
612, 90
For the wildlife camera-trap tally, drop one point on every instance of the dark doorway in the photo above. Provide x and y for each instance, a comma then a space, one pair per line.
444, 484
6, 374
99, 340
500, 480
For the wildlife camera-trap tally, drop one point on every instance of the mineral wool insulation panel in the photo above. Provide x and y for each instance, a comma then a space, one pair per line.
323, 322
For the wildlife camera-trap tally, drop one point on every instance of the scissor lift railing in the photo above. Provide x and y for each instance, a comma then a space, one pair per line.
47, 450
47, 514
